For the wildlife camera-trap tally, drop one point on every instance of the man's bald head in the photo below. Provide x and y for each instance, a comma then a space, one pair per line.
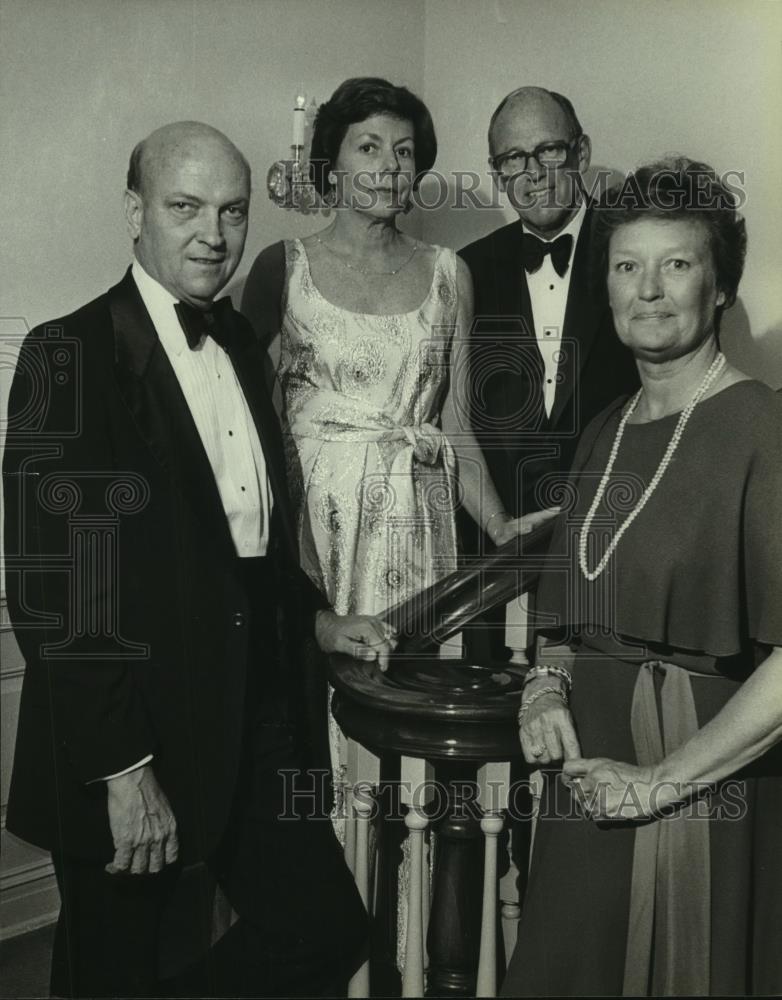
186, 207
539, 154
175, 140
537, 101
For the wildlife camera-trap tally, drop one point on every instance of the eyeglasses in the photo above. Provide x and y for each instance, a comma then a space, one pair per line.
549, 155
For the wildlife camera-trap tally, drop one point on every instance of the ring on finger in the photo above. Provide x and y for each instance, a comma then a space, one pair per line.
537, 751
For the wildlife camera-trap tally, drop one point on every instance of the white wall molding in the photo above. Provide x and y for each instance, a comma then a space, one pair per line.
28, 890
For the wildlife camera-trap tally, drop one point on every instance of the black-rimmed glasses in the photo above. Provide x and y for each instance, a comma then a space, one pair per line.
549, 155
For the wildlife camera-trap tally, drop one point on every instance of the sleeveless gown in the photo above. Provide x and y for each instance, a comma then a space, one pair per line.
372, 476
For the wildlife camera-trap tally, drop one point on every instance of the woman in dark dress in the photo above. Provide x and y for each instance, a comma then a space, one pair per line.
657, 867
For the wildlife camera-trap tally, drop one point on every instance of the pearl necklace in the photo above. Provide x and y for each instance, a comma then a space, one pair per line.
714, 370
362, 270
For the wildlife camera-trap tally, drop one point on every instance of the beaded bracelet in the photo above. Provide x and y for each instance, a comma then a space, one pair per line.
525, 705
549, 670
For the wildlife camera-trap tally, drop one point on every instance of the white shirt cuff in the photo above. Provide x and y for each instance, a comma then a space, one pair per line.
133, 767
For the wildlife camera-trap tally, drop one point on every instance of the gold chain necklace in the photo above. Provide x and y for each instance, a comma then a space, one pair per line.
363, 270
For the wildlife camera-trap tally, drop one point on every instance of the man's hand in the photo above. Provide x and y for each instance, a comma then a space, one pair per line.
503, 530
362, 636
142, 824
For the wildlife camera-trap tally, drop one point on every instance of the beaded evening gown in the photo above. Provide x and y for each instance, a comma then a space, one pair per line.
372, 475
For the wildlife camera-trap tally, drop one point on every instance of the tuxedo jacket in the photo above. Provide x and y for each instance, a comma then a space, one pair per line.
526, 451
123, 581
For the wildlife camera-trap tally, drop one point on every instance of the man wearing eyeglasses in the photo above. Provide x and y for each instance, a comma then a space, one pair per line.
543, 353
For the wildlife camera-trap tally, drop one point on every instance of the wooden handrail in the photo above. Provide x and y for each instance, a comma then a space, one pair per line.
429, 618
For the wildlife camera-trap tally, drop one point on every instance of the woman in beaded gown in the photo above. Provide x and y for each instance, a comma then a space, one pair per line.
656, 867
370, 348
371, 363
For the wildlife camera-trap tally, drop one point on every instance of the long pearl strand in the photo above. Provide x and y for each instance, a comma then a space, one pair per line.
715, 368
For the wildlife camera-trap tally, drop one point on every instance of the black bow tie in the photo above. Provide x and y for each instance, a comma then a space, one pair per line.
534, 250
214, 322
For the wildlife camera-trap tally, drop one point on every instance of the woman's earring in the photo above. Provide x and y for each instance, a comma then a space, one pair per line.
332, 197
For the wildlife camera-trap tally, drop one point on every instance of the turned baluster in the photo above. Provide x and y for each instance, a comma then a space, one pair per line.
511, 914
491, 825
426, 899
416, 782
493, 785
416, 822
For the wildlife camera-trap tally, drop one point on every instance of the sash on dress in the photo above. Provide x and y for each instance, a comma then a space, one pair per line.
334, 417
669, 933
329, 415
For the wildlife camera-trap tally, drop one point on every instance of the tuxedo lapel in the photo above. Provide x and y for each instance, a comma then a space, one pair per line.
155, 399
247, 357
582, 319
511, 293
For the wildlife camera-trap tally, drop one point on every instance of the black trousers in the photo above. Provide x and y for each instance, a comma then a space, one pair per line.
302, 927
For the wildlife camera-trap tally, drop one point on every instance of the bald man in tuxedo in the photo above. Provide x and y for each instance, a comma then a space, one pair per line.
163, 698
544, 356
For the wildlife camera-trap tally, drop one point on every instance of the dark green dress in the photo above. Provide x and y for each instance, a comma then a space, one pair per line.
690, 602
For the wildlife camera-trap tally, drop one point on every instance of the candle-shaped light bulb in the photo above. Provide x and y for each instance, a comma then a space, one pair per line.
299, 120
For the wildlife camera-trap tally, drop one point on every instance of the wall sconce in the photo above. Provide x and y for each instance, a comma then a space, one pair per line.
288, 181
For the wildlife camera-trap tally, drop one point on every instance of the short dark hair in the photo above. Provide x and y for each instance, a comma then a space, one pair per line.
570, 112
354, 101
675, 188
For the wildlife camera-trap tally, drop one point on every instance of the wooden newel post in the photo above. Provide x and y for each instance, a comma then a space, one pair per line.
457, 716
455, 915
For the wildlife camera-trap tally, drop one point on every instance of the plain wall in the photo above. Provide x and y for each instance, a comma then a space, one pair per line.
83, 80
699, 77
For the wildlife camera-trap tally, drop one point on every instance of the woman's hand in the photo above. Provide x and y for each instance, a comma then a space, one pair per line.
611, 789
501, 528
546, 729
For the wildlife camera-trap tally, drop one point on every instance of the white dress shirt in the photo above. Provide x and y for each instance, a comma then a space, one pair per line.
222, 418
548, 295
224, 423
